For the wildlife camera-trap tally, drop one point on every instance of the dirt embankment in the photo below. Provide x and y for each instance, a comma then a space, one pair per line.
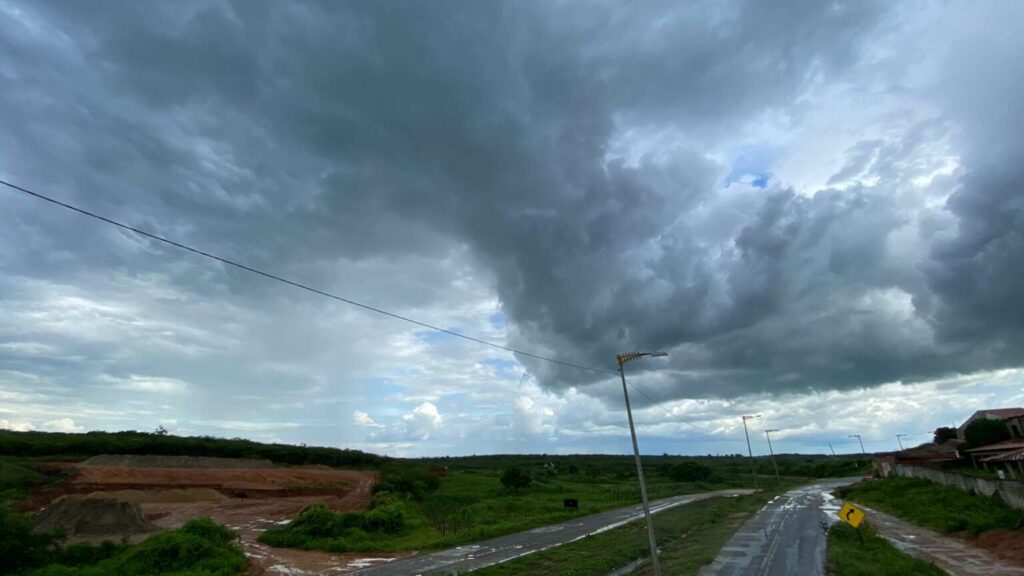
1006, 544
129, 499
78, 516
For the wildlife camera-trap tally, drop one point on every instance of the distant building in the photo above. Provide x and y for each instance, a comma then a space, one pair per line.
1007, 455
1013, 417
926, 455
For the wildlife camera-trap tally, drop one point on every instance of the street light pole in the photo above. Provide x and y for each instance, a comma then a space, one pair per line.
753, 469
857, 436
772, 452
898, 436
622, 359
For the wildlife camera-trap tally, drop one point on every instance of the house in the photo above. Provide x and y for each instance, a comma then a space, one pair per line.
1011, 462
926, 455
1007, 455
1014, 418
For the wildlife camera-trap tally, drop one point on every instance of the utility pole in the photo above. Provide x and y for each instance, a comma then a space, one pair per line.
622, 359
898, 436
857, 436
772, 452
753, 468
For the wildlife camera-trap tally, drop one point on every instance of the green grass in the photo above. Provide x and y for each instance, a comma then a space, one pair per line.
16, 477
848, 556
689, 537
942, 508
473, 506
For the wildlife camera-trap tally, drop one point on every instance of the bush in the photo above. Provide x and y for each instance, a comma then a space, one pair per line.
317, 527
20, 549
983, 432
410, 479
514, 479
199, 547
689, 472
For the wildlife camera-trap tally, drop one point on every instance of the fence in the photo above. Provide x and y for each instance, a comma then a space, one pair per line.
1009, 491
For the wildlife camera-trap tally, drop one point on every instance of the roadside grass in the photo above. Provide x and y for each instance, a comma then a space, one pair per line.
848, 556
689, 537
945, 509
472, 506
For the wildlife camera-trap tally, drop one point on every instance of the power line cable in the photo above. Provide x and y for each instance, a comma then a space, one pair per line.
317, 291
298, 284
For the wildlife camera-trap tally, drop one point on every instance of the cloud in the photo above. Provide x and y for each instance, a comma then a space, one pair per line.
61, 425
155, 384
16, 425
363, 419
791, 199
422, 421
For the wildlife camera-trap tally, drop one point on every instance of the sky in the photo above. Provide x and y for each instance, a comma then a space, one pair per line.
814, 207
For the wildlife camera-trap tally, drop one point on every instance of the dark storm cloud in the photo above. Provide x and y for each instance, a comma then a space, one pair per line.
295, 135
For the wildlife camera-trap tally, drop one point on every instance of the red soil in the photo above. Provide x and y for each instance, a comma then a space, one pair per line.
1006, 544
256, 499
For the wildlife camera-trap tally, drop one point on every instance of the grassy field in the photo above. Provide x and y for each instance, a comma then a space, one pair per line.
689, 537
472, 504
942, 508
848, 556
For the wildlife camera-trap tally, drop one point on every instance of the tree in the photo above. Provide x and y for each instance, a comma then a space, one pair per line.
944, 433
514, 479
983, 432
689, 472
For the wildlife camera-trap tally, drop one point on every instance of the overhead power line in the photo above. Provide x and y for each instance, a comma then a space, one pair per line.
299, 284
319, 292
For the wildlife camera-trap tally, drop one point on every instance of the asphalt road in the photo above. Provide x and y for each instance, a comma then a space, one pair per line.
497, 550
788, 535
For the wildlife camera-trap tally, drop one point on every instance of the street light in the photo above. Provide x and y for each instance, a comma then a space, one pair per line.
857, 436
622, 359
772, 452
753, 470
898, 436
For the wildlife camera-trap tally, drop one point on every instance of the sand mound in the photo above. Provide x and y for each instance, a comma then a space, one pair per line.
173, 496
79, 516
154, 461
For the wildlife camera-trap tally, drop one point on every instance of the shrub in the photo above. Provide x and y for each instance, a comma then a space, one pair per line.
689, 472
983, 432
186, 550
21, 549
514, 479
410, 479
318, 527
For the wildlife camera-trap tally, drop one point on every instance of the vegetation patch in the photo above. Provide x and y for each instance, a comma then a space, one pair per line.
945, 509
78, 446
200, 548
317, 527
849, 555
689, 537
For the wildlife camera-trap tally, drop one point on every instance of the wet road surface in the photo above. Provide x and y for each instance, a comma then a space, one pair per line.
504, 548
787, 536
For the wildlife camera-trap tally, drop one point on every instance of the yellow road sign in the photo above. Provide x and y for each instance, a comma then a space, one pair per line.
851, 515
